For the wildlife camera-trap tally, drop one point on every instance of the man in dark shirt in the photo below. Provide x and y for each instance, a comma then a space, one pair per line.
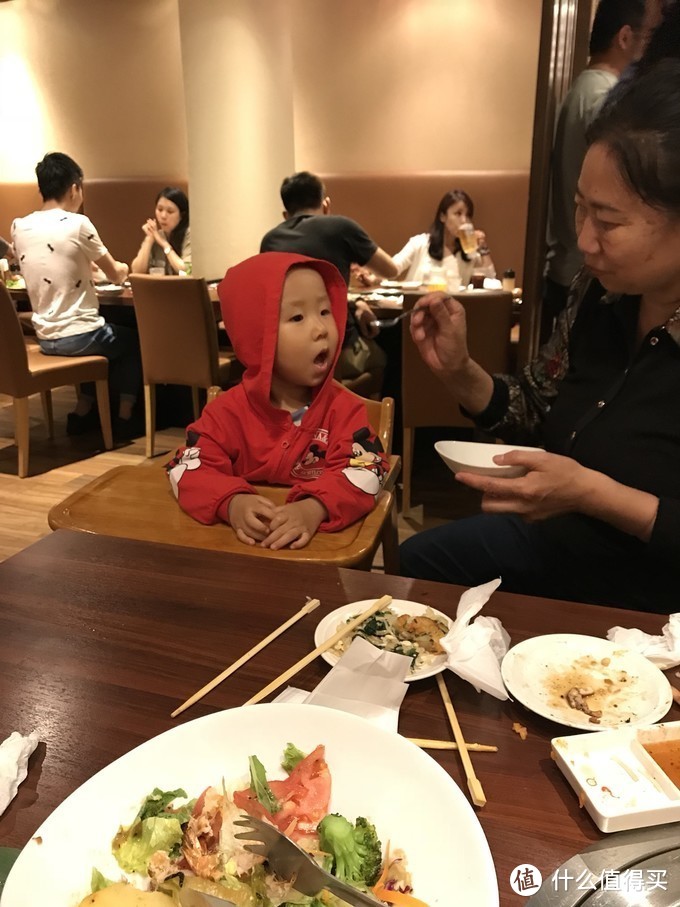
309, 228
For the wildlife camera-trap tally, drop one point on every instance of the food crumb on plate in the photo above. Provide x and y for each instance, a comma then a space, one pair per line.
520, 729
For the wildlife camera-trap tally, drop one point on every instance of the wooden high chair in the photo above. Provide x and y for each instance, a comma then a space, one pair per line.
136, 502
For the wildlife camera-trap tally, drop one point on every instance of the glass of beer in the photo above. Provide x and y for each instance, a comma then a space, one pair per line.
468, 239
436, 280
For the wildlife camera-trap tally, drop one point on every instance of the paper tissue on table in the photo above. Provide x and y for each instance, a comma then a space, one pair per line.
663, 651
14, 756
367, 681
476, 649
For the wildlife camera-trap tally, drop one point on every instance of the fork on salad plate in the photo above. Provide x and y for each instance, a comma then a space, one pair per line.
291, 862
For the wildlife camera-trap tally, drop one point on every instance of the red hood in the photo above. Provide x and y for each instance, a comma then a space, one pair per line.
250, 298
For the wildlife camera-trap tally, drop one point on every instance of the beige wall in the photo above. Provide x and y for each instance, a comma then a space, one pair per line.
270, 86
414, 84
239, 102
98, 79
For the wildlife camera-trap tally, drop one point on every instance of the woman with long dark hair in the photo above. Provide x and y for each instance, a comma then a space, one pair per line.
167, 238
443, 246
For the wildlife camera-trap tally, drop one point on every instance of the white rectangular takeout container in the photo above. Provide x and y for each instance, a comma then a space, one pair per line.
616, 779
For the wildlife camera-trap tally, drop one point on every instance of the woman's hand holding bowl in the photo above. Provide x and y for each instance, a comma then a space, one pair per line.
552, 486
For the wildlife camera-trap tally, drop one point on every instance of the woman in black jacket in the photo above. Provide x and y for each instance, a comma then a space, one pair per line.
597, 516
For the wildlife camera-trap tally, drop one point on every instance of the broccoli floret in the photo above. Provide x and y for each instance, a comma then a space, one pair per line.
356, 850
367, 839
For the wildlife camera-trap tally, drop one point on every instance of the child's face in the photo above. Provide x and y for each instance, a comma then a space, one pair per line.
308, 334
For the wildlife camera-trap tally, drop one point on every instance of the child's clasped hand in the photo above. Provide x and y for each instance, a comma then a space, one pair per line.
250, 516
255, 519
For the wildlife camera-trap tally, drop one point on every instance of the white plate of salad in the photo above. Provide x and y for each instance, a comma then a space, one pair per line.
154, 802
409, 628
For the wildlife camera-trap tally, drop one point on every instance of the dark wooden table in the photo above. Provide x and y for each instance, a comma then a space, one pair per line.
102, 638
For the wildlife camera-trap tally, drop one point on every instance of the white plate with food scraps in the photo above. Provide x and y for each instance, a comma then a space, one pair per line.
429, 817
547, 673
427, 666
629, 778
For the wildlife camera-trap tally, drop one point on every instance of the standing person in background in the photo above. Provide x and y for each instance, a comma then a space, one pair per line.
309, 228
167, 236
56, 248
441, 247
620, 32
664, 43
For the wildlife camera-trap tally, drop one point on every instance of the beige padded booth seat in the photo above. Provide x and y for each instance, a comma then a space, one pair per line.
16, 200
391, 207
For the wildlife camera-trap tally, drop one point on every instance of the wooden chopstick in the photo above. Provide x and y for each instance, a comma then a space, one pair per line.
427, 744
307, 609
474, 785
676, 694
330, 642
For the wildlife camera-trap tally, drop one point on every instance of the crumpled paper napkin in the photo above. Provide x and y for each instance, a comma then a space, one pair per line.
663, 651
367, 681
14, 756
475, 650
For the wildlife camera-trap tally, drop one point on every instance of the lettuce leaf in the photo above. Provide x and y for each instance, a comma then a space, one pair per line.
157, 802
291, 756
133, 849
99, 881
260, 786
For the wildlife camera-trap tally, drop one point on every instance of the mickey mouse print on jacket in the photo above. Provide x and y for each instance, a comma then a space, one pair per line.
241, 439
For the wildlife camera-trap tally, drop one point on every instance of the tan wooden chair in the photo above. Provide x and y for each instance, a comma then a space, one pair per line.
136, 502
425, 401
178, 340
25, 370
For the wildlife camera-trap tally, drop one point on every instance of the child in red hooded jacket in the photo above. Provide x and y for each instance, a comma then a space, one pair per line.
287, 423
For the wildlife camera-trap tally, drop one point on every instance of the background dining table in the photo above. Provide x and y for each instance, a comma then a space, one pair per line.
107, 299
102, 638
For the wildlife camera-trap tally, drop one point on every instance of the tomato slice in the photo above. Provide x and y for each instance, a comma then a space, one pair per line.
304, 797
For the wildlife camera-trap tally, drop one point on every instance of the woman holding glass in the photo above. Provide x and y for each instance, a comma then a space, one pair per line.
166, 247
596, 517
452, 245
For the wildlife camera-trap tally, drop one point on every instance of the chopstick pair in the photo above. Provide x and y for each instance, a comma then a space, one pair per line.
307, 609
474, 784
298, 666
377, 605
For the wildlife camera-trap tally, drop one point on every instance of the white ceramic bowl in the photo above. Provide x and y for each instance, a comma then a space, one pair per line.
471, 456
